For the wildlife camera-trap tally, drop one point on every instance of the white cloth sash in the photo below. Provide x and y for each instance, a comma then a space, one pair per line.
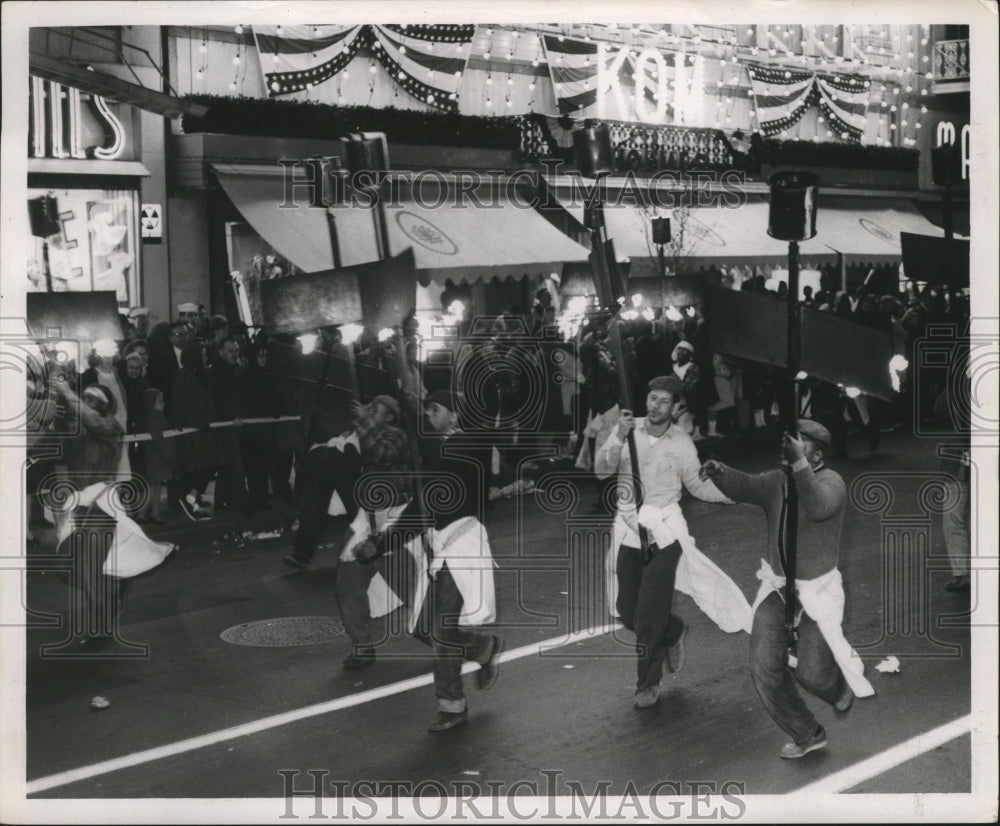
823, 599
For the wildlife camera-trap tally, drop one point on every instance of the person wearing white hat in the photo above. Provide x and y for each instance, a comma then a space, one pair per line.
689, 374
188, 313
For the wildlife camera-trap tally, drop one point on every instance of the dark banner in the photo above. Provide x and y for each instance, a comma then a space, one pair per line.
301, 303
935, 260
752, 326
83, 317
379, 294
388, 290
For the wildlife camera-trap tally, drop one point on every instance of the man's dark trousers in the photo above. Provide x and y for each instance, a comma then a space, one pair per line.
324, 470
645, 597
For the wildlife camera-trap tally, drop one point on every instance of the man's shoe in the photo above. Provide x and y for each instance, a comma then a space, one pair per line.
676, 654
448, 719
490, 670
843, 705
294, 561
816, 741
647, 697
361, 658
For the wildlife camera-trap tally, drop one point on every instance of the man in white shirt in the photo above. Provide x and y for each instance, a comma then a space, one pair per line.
668, 461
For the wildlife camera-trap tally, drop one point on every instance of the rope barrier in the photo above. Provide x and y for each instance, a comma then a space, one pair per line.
173, 432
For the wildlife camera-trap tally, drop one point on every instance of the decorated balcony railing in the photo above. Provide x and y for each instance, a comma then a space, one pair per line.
951, 60
637, 147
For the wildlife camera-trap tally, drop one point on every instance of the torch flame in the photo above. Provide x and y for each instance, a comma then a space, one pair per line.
571, 319
852, 392
673, 313
350, 333
638, 300
897, 364
308, 342
385, 334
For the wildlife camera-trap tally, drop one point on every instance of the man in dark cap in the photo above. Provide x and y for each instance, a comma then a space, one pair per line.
825, 664
646, 580
459, 587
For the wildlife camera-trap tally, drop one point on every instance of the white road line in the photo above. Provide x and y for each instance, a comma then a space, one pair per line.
203, 741
888, 759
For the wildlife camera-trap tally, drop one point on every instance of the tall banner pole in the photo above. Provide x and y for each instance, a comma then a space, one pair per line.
593, 151
792, 218
793, 359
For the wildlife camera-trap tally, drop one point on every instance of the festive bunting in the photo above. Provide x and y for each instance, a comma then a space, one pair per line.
844, 101
432, 76
782, 96
294, 58
303, 56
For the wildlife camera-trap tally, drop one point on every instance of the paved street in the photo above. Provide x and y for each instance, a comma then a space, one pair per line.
560, 717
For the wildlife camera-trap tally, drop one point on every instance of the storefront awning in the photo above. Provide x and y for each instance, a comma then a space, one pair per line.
868, 232
461, 241
863, 231
711, 235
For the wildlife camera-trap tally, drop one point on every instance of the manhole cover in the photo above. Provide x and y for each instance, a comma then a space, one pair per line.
283, 631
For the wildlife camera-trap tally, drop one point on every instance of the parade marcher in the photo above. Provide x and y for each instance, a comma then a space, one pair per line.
668, 461
459, 578
331, 466
826, 665
94, 454
92, 459
103, 372
387, 473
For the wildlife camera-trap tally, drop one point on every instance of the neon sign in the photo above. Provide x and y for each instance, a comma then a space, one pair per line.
57, 124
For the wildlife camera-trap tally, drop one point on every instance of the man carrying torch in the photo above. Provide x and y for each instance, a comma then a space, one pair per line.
667, 461
827, 666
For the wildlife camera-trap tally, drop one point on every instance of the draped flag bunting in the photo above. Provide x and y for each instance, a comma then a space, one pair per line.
431, 71
427, 61
300, 57
599, 80
782, 96
844, 100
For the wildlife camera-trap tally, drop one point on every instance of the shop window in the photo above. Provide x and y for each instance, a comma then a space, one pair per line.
91, 245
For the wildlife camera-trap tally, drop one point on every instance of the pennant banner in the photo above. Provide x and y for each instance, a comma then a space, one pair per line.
614, 82
782, 96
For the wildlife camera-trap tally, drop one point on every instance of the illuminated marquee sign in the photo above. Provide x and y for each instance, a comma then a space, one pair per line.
615, 82
62, 127
946, 137
655, 86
